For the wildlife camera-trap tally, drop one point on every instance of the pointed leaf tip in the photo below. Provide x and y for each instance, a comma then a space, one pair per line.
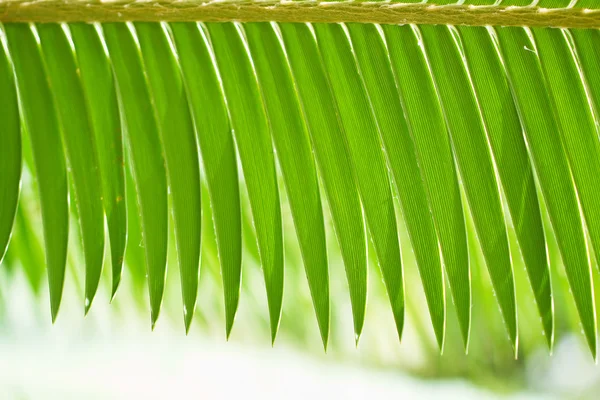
229, 326
440, 339
188, 322
325, 344
324, 336
115, 287
153, 319
54, 314
86, 307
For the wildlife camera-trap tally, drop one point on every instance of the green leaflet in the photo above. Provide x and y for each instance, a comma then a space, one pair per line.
181, 154
362, 137
251, 129
41, 122
474, 163
292, 143
550, 163
591, 4
148, 165
516, 2
578, 125
218, 156
61, 69
512, 161
134, 253
587, 43
10, 142
332, 158
373, 59
99, 87
553, 3
429, 132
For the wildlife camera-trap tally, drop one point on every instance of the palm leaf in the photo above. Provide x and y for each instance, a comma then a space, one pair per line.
409, 102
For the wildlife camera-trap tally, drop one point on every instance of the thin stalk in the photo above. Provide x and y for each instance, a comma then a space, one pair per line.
381, 12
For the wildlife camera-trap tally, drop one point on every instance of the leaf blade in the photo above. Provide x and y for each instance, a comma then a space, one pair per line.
146, 156
41, 123
77, 135
180, 151
513, 165
361, 133
251, 130
551, 166
10, 141
578, 124
588, 51
333, 160
99, 86
425, 119
475, 167
376, 69
295, 157
218, 156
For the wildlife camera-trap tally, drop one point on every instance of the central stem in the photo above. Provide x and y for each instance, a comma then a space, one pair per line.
295, 11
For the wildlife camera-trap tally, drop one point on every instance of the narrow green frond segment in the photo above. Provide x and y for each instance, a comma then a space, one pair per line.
251, 128
474, 161
505, 136
551, 166
373, 59
41, 123
554, 3
148, 165
578, 125
590, 4
10, 143
516, 2
100, 92
181, 154
294, 152
333, 160
78, 139
134, 253
362, 137
587, 43
218, 155
434, 152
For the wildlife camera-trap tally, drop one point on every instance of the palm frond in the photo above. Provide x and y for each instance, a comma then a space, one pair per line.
443, 125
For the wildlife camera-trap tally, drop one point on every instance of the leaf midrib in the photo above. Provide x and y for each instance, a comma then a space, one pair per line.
297, 11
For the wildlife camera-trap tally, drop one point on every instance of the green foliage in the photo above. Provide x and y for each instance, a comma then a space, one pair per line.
464, 135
